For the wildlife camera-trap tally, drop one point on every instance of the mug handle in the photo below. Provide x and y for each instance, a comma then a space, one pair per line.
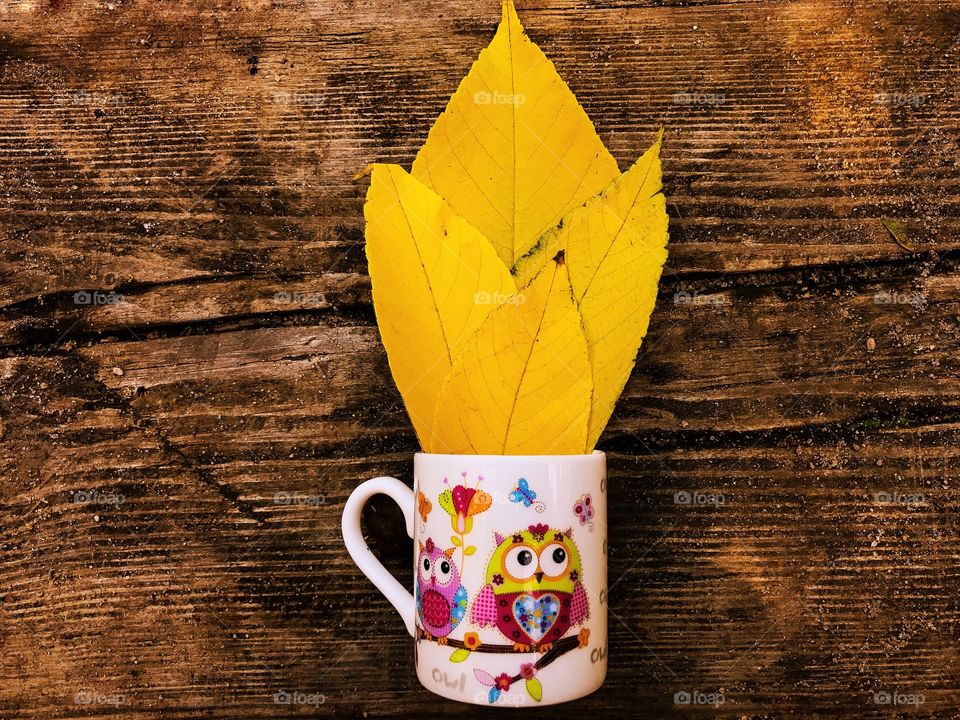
386, 583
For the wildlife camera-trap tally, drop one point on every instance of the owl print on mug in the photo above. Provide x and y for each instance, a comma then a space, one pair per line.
534, 593
508, 603
441, 599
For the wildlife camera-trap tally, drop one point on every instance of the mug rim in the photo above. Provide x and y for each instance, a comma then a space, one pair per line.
513, 458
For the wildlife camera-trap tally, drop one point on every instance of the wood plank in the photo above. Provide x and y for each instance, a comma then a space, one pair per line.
197, 161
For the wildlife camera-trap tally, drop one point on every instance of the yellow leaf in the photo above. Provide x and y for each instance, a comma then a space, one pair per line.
626, 207
513, 175
513, 151
615, 247
521, 384
435, 279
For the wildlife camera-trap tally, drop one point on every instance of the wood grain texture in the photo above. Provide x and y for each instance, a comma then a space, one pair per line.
196, 159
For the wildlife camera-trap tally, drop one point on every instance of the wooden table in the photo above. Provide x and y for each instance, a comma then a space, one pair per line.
175, 456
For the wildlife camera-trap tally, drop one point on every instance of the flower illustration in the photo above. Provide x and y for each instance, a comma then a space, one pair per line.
428, 545
527, 671
461, 503
502, 681
538, 531
471, 641
497, 579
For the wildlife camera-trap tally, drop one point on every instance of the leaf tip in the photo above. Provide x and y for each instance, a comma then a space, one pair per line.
368, 170
560, 258
509, 14
659, 141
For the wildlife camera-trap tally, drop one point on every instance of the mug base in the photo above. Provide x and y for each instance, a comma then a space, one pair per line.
455, 684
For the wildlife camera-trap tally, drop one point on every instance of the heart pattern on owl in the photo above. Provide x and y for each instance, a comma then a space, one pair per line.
536, 615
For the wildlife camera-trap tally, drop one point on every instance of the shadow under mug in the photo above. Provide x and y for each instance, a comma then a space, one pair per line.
509, 606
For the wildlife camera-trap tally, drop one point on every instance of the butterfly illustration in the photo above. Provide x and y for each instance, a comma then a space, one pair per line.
583, 509
523, 493
424, 506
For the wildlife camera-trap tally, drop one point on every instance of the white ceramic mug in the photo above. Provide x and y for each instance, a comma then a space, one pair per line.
510, 582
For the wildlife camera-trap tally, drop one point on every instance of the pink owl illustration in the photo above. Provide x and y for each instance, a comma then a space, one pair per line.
441, 599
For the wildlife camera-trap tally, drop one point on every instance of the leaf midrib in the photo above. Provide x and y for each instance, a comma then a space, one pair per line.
526, 362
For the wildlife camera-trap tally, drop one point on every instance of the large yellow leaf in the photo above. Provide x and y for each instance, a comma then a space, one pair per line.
435, 279
513, 151
615, 247
521, 385
513, 176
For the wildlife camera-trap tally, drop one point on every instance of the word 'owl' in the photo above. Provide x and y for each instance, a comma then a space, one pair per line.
534, 592
441, 599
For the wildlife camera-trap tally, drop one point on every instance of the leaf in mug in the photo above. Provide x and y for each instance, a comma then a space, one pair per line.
456, 540
615, 247
470, 550
435, 279
513, 151
521, 384
646, 170
511, 176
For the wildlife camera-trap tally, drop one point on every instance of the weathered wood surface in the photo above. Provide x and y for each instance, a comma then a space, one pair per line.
196, 158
